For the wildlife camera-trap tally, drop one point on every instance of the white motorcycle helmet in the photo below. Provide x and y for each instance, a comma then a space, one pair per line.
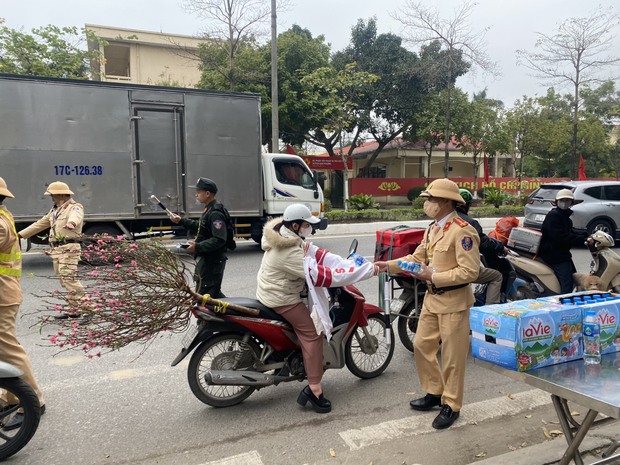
299, 212
602, 239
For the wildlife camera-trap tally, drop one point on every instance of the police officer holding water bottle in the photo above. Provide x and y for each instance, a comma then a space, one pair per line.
449, 255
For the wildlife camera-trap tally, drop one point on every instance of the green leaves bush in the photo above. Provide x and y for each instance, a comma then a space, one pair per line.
362, 202
410, 214
495, 197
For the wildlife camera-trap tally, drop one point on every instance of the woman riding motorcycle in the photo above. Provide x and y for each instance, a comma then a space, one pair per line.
281, 281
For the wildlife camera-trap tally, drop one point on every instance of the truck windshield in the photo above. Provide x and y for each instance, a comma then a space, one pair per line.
292, 173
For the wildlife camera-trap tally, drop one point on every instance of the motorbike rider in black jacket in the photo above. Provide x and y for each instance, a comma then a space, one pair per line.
490, 249
557, 239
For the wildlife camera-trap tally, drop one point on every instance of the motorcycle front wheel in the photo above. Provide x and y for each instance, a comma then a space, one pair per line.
408, 324
221, 352
367, 353
14, 440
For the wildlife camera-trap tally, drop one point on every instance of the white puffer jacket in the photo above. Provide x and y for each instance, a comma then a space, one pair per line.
281, 277
289, 264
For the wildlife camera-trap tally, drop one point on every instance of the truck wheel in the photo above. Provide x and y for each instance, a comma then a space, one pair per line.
257, 238
103, 229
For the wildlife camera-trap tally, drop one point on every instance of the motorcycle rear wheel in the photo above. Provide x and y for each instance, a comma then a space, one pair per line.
13, 441
367, 356
221, 353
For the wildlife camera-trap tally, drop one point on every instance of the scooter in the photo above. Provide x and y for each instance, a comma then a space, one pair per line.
14, 440
537, 279
235, 354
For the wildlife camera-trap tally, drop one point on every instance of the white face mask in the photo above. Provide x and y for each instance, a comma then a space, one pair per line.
305, 231
563, 204
431, 209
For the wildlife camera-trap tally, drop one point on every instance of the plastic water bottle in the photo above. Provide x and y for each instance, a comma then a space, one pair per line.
591, 339
411, 267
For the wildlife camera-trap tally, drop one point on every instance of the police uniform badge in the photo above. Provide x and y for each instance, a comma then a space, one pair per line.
217, 224
467, 243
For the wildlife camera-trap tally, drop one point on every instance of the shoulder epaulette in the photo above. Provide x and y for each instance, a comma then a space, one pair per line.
461, 222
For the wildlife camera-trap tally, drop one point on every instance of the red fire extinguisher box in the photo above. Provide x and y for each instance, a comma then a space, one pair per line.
397, 242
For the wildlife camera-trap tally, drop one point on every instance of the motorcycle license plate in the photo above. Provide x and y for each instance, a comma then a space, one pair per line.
396, 305
189, 336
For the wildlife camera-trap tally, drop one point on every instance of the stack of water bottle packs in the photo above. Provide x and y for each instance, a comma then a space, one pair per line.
533, 333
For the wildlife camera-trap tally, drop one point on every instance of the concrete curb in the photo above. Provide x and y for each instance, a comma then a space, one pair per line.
550, 452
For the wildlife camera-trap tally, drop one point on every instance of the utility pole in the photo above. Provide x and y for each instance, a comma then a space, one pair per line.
275, 129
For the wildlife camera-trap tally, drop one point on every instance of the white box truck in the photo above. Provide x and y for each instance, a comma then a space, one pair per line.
118, 144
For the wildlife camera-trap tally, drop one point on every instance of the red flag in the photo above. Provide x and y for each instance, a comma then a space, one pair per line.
290, 150
582, 169
486, 169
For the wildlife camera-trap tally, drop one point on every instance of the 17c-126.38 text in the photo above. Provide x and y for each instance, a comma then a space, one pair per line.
78, 170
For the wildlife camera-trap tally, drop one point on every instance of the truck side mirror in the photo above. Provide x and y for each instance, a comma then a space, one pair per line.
315, 181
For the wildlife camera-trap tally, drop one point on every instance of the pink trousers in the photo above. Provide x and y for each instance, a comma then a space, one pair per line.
311, 343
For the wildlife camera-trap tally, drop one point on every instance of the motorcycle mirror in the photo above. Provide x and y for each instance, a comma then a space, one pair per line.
352, 248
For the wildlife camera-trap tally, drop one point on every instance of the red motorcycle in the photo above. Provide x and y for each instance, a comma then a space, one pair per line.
236, 354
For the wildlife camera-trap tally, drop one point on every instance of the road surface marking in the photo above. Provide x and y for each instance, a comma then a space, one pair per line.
124, 374
248, 458
67, 361
421, 423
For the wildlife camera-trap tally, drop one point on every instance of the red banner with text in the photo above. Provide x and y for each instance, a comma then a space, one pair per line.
327, 163
400, 186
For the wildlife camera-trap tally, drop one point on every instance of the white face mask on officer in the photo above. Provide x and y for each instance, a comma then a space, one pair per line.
564, 204
431, 208
305, 231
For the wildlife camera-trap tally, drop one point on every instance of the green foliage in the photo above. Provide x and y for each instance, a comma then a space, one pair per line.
328, 204
411, 214
48, 51
414, 193
515, 199
249, 72
362, 202
494, 197
418, 202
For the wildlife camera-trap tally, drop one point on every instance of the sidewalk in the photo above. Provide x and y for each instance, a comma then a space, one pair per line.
550, 452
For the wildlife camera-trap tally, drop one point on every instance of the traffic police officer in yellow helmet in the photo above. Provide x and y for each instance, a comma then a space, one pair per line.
65, 221
449, 254
11, 350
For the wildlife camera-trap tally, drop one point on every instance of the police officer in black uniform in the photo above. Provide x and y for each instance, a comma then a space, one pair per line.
209, 246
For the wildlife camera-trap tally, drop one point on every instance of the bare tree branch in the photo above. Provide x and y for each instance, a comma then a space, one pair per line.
576, 55
423, 25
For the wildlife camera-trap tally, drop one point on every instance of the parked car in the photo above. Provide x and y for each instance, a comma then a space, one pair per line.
597, 207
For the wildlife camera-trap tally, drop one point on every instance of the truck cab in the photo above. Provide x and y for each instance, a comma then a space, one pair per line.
288, 180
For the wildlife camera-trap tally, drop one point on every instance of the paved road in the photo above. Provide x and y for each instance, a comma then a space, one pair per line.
126, 408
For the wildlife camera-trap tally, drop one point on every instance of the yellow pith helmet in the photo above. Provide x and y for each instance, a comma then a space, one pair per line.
58, 187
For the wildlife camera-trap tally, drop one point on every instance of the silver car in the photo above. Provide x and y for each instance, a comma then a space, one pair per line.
597, 205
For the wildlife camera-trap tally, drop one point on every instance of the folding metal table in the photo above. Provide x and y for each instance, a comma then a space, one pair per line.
595, 387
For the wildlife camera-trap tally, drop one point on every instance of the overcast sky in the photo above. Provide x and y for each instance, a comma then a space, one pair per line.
512, 24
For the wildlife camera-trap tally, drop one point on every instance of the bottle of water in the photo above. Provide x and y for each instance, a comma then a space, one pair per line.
591, 339
411, 267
